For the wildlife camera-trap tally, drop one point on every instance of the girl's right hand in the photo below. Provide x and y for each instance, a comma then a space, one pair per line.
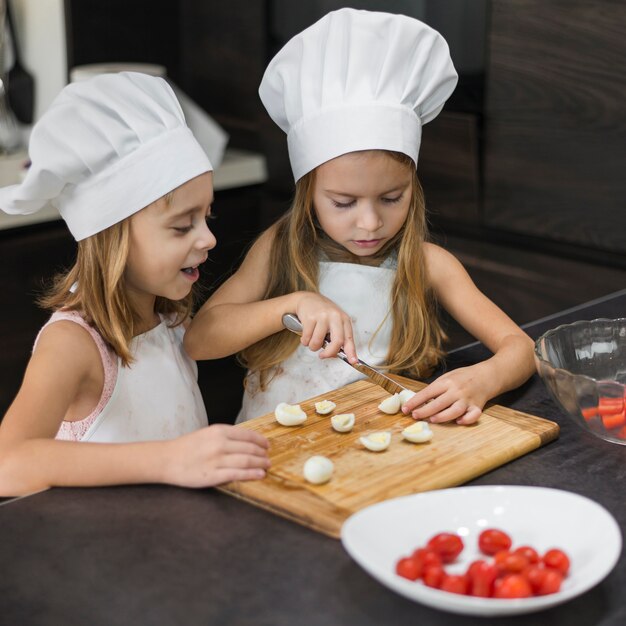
321, 317
214, 455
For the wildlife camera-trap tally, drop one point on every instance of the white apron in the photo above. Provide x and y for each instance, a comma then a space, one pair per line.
157, 397
363, 292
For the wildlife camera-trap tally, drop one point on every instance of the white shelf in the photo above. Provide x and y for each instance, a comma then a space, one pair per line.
239, 168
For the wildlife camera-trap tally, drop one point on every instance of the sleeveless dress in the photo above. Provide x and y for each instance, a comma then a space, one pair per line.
363, 292
157, 397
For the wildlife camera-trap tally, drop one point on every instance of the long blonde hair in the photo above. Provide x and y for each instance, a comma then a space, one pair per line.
417, 336
96, 287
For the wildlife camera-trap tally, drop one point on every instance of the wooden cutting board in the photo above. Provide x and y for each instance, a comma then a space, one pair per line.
455, 455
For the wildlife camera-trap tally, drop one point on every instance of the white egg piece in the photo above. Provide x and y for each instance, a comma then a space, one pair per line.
390, 405
342, 423
289, 414
419, 432
318, 469
324, 407
405, 395
376, 442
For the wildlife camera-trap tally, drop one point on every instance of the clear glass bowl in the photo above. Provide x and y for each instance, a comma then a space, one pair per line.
583, 364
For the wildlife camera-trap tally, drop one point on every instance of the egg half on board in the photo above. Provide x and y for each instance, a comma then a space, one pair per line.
289, 414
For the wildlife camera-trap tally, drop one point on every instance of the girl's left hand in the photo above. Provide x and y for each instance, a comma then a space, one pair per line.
458, 395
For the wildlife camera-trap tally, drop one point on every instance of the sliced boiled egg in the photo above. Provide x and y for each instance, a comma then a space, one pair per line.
376, 442
418, 433
289, 414
324, 407
318, 469
405, 396
342, 423
390, 405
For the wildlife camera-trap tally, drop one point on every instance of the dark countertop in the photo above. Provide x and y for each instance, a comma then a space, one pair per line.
160, 555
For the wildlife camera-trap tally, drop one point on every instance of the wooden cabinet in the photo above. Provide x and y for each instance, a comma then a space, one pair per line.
555, 137
450, 166
543, 164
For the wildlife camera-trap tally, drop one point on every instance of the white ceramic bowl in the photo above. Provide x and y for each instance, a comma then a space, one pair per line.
378, 535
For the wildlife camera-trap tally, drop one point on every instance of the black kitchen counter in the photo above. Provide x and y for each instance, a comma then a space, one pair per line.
161, 555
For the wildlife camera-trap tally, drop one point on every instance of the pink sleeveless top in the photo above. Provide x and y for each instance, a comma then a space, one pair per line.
74, 431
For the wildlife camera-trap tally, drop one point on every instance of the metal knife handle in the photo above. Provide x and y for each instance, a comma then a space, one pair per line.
292, 323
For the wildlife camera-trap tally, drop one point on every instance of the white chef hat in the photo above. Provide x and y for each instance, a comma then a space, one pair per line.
106, 148
357, 80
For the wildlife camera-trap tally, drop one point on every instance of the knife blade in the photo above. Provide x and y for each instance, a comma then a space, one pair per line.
292, 323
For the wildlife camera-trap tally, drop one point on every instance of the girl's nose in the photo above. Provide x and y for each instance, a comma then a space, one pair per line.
206, 240
369, 219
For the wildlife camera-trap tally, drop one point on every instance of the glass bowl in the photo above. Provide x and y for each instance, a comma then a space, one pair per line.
583, 364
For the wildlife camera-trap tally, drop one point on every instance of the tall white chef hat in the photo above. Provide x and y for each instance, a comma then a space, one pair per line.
106, 148
357, 80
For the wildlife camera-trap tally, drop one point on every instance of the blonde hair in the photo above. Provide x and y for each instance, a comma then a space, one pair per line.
96, 287
417, 336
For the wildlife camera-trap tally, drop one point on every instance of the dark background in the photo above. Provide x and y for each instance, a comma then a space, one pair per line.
523, 171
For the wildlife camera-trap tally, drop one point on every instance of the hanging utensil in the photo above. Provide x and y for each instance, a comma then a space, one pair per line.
10, 137
20, 84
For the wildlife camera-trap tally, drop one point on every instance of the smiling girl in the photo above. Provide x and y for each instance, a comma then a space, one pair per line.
351, 257
109, 395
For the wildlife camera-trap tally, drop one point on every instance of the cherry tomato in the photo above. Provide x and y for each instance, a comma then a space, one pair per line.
433, 576
510, 562
551, 582
589, 412
454, 584
447, 545
408, 568
610, 406
558, 560
530, 553
512, 586
493, 540
425, 557
535, 574
481, 577
614, 421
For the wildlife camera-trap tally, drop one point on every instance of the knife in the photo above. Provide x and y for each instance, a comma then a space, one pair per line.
292, 323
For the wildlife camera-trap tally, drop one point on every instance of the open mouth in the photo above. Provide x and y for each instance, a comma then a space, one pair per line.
192, 273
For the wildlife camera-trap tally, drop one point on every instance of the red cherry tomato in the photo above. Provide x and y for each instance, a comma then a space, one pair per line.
509, 562
512, 586
493, 540
511, 574
551, 582
408, 568
556, 559
530, 553
433, 576
454, 584
535, 574
425, 557
447, 545
481, 577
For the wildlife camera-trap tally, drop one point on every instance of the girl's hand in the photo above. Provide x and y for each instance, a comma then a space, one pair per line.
458, 395
320, 317
214, 455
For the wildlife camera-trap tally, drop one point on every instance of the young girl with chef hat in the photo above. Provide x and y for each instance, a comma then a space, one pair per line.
351, 257
109, 395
